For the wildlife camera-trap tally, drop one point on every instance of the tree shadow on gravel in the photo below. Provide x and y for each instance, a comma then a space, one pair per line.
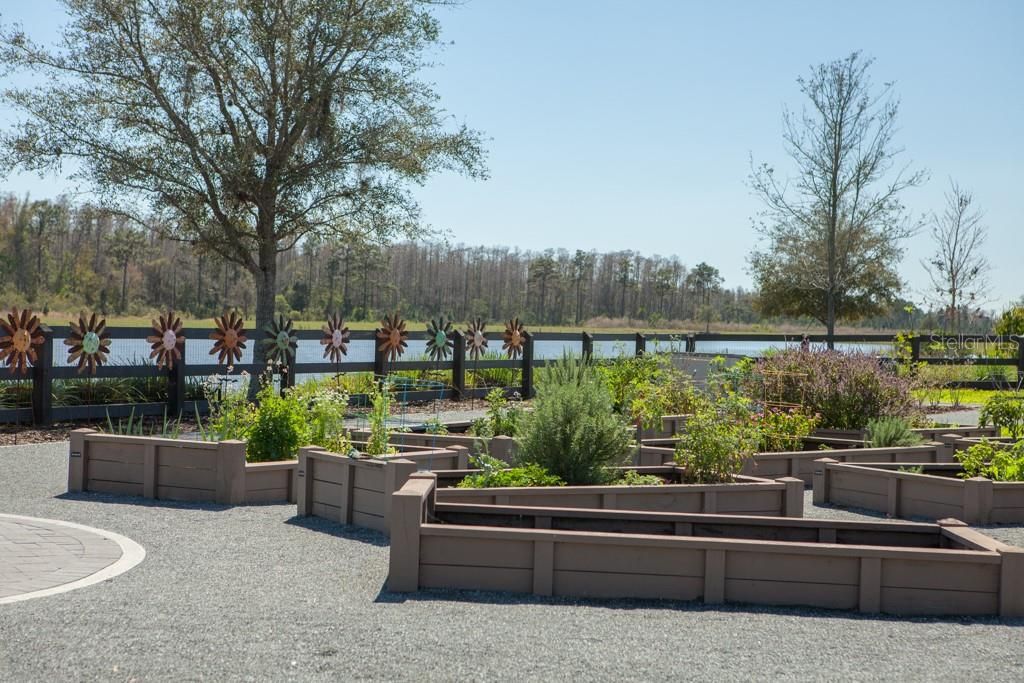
349, 533
494, 599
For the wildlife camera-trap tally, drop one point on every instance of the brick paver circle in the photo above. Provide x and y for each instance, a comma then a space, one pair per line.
40, 557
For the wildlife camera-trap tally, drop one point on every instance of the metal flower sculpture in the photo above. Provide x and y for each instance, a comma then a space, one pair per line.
476, 339
392, 336
335, 339
514, 338
281, 342
167, 342
19, 338
89, 343
229, 338
439, 343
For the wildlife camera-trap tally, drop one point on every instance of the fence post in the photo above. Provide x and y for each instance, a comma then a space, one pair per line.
691, 344
1020, 357
379, 361
459, 365
527, 365
588, 347
915, 349
641, 344
176, 385
42, 380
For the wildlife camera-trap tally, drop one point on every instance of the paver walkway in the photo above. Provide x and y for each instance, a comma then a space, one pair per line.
41, 556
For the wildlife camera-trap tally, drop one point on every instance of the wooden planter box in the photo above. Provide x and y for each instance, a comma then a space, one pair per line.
671, 426
747, 496
883, 488
928, 433
649, 447
175, 469
501, 447
800, 464
357, 491
896, 568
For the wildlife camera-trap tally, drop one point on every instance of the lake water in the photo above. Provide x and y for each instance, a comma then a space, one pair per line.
197, 350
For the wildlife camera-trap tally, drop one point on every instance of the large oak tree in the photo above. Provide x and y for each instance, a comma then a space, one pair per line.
243, 125
832, 231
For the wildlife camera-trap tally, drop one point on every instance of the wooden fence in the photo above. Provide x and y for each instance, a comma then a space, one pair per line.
46, 371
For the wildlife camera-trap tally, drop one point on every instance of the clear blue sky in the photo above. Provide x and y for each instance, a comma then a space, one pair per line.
628, 125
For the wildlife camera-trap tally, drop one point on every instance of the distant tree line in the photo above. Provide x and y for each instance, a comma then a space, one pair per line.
59, 255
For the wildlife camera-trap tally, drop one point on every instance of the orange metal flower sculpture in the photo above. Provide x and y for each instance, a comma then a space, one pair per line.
392, 336
335, 339
167, 342
19, 339
89, 343
229, 338
514, 338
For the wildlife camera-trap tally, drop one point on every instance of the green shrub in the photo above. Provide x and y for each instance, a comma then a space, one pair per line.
890, 432
280, 427
435, 426
572, 431
325, 416
634, 478
846, 389
644, 388
502, 418
717, 441
495, 473
231, 414
784, 430
1005, 411
380, 411
984, 459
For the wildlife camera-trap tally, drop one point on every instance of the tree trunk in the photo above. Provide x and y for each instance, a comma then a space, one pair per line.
124, 284
830, 320
266, 291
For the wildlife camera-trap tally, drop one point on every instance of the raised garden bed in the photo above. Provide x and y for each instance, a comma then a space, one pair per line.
175, 469
501, 447
927, 433
357, 491
897, 568
658, 451
183, 469
935, 493
801, 464
746, 496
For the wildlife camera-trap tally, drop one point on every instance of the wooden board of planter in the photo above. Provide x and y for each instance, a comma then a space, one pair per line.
934, 493
357, 491
501, 447
183, 469
174, 469
745, 496
801, 464
897, 568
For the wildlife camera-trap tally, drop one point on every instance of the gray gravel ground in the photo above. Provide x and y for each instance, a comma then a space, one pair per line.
251, 593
